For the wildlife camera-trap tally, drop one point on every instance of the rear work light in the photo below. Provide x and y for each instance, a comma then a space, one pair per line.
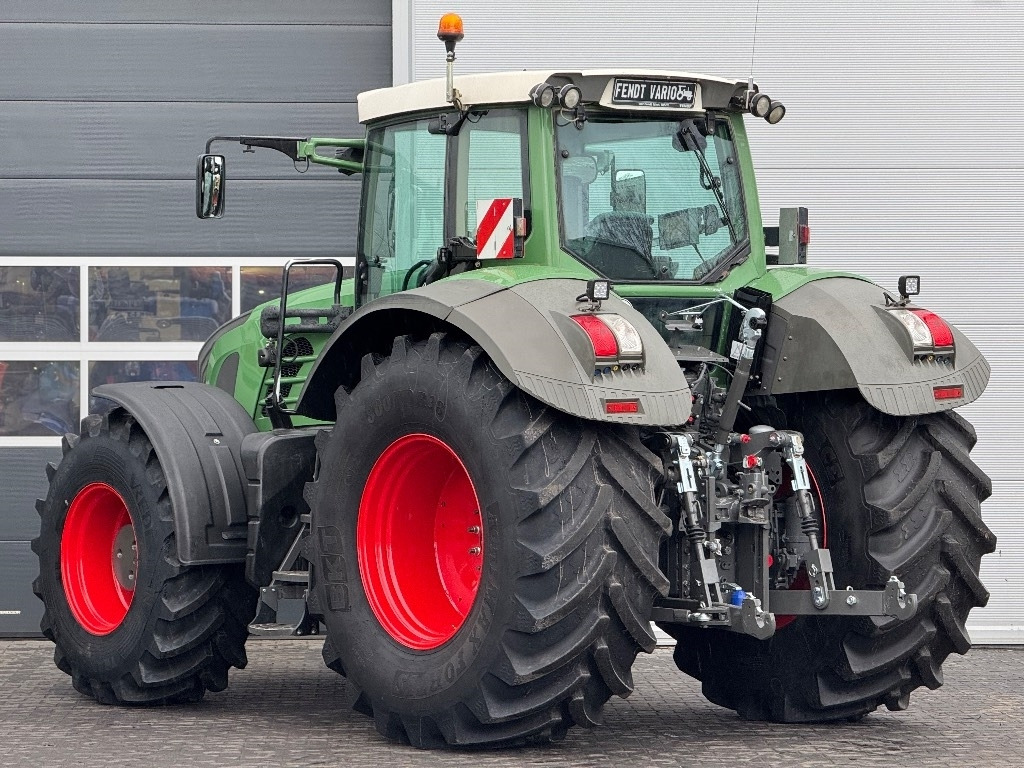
617, 344
930, 334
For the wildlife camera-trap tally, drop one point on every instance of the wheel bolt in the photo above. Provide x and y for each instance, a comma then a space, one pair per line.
474, 550
474, 529
120, 555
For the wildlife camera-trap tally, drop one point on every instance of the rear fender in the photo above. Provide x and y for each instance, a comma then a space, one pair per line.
526, 331
836, 334
196, 431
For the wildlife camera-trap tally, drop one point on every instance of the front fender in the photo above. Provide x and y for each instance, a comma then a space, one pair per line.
196, 431
835, 334
526, 331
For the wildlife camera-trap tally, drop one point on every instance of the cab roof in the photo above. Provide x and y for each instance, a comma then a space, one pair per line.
514, 88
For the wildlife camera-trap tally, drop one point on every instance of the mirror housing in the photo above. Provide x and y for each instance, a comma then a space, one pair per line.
629, 191
583, 168
211, 174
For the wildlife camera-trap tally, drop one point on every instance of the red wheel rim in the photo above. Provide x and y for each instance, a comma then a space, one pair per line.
98, 559
419, 541
801, 581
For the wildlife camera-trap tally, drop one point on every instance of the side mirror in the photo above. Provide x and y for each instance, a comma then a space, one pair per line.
629, 191
211, 173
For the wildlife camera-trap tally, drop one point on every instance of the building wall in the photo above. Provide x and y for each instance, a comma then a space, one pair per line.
901, 137
105, 271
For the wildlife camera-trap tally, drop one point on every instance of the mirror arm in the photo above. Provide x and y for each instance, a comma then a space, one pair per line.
298, 148
307, 149
284, 144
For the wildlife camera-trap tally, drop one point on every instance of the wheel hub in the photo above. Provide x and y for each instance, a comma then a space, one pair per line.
124, 557
98, 558
420, 541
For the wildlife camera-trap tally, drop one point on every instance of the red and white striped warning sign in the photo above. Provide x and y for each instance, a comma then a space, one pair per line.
495, 232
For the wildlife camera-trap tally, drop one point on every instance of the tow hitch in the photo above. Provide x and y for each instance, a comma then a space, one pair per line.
732, 522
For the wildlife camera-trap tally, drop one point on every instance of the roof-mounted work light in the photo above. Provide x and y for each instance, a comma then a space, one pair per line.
776, 112
570, 96
759, 104
543, 95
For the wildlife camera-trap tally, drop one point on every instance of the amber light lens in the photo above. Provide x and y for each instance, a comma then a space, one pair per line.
450, 27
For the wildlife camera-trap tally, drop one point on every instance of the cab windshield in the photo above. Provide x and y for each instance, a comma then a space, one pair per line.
644, 200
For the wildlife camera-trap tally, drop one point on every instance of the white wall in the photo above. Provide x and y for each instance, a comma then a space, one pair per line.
903, 136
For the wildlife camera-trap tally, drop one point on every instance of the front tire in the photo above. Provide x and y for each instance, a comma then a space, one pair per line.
901, 497
131, 624
565, 541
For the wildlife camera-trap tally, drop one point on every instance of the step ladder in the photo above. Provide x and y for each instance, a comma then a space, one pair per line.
282, 610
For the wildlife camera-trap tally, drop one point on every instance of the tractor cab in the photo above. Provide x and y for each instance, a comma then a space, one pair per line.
637, 177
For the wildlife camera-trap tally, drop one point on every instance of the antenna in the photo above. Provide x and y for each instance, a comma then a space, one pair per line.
753, 47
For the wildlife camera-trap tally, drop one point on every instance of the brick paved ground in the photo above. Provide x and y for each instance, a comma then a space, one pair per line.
285, 709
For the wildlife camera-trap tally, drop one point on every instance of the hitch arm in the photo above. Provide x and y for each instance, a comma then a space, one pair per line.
891, 601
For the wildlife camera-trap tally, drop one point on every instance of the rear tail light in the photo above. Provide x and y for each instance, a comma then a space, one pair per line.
626, 336
928, 332
949, 392
942, 336
615, 340
622, 406
602, 339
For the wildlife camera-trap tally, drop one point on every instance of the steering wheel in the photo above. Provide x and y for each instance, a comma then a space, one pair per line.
628, 232
616, 260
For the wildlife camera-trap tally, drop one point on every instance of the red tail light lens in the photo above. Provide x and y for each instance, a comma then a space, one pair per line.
948, 393
622, 406
942, 335
929, 333
601, 336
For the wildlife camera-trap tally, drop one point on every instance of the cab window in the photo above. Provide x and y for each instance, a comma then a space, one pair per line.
411, 210
490, 149
402, 225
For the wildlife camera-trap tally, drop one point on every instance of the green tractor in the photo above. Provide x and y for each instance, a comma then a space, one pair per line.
566, 394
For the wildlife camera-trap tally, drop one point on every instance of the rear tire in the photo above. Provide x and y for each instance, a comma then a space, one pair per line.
568, 554
902, 497
155, 632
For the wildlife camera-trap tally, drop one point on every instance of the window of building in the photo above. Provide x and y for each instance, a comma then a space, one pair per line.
142, 320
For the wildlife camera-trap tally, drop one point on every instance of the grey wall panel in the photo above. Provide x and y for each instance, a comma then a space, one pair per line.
871, 84
305, 217
189, 62
154, 140
20, 610
1001, 571
24, 480
997, 415
949, 226
348, 12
